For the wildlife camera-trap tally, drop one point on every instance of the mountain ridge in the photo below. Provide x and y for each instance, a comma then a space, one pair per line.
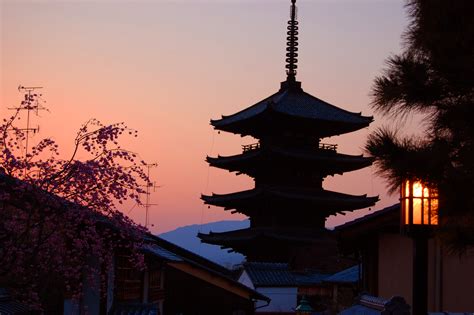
186, 237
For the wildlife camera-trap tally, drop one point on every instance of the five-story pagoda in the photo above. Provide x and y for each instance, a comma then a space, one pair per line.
288, 205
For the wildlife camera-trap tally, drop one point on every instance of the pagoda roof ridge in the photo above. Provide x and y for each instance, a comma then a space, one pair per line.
287, 190
328, 202
310, 153
325, 161
295, 103
248, 153
281, 233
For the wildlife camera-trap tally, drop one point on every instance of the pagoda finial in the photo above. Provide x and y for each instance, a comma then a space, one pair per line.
292, 44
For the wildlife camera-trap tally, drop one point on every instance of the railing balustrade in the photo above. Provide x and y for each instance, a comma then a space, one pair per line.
327, 146
251, 147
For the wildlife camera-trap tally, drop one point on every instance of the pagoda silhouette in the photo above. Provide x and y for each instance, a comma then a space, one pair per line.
288, 206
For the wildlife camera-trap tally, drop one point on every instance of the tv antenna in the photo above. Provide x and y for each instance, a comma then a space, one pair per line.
32, 102
150, 185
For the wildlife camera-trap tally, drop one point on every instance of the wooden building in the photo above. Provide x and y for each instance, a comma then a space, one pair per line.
288, 205
387, 263
175, 281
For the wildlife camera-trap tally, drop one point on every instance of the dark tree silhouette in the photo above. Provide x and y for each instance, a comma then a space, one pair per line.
433, 76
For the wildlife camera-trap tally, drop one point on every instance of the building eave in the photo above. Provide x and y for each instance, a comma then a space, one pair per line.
297, 106
333, 202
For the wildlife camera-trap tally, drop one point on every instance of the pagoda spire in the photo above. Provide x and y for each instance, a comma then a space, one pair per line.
292, 44
288, 206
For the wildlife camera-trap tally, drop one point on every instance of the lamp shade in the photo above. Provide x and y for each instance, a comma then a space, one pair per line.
419, 204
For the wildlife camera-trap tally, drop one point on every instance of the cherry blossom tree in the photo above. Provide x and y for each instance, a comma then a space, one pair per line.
59, 218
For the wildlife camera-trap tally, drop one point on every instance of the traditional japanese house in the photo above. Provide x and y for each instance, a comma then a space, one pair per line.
386, 257
176, 281
288, 205
173, 280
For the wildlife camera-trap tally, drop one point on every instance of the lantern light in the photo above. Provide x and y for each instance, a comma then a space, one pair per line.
419, 204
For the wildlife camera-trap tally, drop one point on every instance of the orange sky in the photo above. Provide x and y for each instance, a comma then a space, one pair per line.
167, 67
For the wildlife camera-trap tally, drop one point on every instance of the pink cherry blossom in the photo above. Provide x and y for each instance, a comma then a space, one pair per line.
57, 215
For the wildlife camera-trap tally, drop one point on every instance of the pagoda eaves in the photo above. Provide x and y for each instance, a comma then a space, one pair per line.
276, 245
292, 110
326, 162
227, 239
324, 201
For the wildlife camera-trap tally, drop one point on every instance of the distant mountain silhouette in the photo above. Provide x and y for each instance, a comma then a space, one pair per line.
186, 237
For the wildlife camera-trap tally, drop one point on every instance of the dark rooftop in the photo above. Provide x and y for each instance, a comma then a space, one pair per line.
369, 217
349, 275
265, 274
159, 251
285, 234
309, 278
329, 161
297, 104
336, 202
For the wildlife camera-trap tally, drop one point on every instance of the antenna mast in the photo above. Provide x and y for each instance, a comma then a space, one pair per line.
31, 102
149, 185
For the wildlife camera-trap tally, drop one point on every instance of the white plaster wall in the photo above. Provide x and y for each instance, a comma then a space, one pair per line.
245, 280
283, 299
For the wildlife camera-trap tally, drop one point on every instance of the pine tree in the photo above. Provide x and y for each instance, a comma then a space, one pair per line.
433, 76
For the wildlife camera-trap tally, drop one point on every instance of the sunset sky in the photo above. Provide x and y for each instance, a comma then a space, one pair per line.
166, 68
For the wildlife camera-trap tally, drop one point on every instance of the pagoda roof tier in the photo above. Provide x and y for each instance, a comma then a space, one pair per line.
327, 162
299, 199
245, 237
292, 109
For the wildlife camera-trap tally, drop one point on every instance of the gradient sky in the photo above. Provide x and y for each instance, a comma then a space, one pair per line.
167, 67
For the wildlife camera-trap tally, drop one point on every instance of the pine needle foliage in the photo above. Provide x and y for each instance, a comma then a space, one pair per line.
433, 76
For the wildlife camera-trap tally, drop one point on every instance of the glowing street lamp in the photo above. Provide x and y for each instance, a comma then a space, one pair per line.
419, 214
419, 205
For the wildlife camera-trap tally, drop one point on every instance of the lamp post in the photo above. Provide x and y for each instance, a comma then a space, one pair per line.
419, 213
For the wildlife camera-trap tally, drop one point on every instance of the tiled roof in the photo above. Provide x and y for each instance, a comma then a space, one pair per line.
372, 305
175, 254
265, 274
349, 275
360, 309
161, 252
329, 161
304, 154
288, 234
335, 201
8, 306
134, 309
297, 104
309, 278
